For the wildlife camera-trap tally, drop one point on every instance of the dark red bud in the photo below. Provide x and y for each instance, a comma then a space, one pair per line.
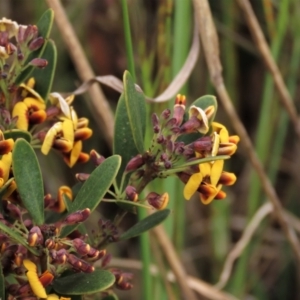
77, 217
135, 163
39, 63
36, 43
131, 193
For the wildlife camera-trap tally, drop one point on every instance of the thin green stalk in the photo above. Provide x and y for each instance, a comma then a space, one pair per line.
128, 41
142, 213
181, 45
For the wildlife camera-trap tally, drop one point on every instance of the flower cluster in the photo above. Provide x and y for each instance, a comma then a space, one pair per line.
41, 246
171, 153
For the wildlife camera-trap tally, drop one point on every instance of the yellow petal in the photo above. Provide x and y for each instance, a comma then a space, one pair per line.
5, 164
35, 103
74, 155
29, 90
222, 131
216, 171
20, 111
68, 130
205, 169
50, 136
216, 144
192, 185
33, 279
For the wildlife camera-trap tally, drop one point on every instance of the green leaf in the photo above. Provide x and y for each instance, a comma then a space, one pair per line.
146, 224
94, 188
16, 134
17, 238
136, 110
44, 77
123, 140
29, 180
44, 26
2, 283
84, 283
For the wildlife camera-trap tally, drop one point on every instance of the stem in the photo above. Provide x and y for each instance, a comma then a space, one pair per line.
128, 41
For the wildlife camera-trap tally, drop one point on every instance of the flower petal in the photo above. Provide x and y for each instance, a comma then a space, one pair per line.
216, 171
33, 279
192, 185
20, 111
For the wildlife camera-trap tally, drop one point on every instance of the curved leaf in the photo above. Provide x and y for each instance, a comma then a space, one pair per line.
123, 140
84, 283
136, 110
44, 77
29, 180
16, 134
94, 188
17, 238
44, 26
146, 224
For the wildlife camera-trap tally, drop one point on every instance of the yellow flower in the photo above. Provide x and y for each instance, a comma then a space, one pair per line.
31, 109
210, 178
37, 283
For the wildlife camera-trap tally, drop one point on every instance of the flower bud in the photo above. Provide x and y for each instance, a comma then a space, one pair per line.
131, 193
158, 201
106, 260
39, 63
81, 247
96, 158
36, 43
204, 144
77, 217
35, 236
179, 108
155, 123
82, 177
166, 114
135, 163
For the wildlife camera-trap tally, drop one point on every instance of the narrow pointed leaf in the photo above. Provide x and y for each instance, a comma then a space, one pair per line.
94, 188
44, 77
146, 224
136, 110
84, 283
44, 26
29, 180
17, 238
124, 144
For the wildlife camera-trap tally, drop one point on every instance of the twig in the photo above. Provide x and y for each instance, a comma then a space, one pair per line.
100, 107
202, 288
266, 54
210, 45
174, 262
238, 248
